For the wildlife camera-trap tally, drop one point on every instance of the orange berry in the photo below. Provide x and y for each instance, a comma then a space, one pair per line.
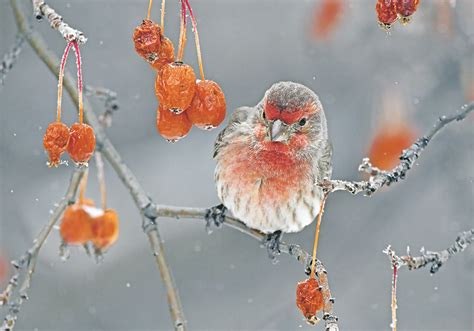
388, 144
75, 226
175, 86
309, 299
326, 18
55, 142
105, 229
405, 9
207, 110
147, 40
165, 55
386, 13
172, 126
81, 143
3, 269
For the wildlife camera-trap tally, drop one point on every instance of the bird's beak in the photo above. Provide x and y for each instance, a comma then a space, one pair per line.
278, 131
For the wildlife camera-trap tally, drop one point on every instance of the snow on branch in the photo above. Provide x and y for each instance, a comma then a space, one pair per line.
17, 289
428, 258
42, 9
379, 178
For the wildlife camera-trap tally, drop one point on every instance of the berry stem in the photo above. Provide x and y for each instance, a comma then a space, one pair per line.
163, 5
82, 187
196, 39
182, 32
101, 178
394, 298
79, 81
150, 4
60, 80
316, 236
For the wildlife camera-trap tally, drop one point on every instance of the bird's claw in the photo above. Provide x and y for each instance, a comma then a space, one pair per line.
272, 243
215, 215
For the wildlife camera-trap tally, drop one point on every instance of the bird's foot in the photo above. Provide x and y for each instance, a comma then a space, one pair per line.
215, 215
272, 243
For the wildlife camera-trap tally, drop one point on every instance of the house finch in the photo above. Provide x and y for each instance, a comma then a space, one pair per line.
269, 160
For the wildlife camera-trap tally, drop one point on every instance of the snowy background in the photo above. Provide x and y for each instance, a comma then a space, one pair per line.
225, 279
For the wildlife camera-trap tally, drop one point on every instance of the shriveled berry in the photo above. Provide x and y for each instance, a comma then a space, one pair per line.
76, 226
207, 110
386, 13
175, 86
147, 40
405, 9
105, 229
55, 142
165, 55
309, 299
388, 144
172, 126
81, 142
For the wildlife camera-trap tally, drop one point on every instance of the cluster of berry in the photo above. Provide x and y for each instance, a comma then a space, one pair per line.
388, 11
309, 299
83, 222
79, 140
183, 101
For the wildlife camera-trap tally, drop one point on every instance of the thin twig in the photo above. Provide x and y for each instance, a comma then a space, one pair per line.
293, 250
380, 178
109, 98
17, 290
42, 9
10, 58
103, 144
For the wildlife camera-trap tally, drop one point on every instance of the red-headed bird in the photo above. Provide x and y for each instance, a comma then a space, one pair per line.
269, 160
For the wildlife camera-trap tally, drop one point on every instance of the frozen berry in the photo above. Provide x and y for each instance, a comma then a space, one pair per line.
309, 299
165, 55
81, 142
76, 227
172, 126
405, 9
207, 110
388, 144
175, 86
147, 40
386, 13
55, 141
105, 229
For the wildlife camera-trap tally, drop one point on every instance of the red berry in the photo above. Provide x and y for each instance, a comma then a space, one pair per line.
405, 9
55, 141
76, 228
165, 55
207, 110
175, 86
81, 142
388, 145
172, 126
386, 13
327, 17
147, 40
309, 299
105, 229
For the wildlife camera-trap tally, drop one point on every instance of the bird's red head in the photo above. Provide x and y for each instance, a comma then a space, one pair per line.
290, 114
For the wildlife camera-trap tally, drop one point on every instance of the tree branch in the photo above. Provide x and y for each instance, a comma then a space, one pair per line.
10, 58
104, 145
20, 282
379, 178
42, 9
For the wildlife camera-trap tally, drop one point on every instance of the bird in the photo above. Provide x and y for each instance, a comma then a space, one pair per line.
270, 159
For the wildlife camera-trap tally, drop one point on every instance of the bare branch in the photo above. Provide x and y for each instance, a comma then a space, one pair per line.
42, 9
110, 103
434, 259
380, 178
17, 290
104, 145
10, 58
293, 250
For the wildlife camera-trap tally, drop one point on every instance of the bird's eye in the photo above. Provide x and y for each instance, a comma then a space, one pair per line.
263, 115
302, 122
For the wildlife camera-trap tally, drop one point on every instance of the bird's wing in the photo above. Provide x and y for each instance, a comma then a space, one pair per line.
240, 115
325, 162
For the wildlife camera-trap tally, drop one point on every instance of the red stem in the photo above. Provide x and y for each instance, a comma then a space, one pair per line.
79, 81
60, 80
196, 39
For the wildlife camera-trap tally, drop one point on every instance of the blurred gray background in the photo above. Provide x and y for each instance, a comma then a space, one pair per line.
225, 279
